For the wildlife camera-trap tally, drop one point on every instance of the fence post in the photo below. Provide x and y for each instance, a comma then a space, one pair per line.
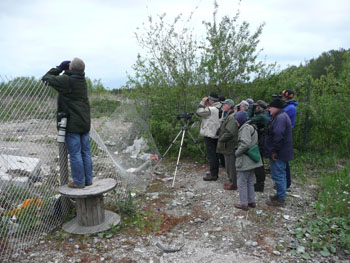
63, 157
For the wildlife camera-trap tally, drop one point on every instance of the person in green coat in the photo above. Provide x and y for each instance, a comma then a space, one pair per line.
73, 103
227, 142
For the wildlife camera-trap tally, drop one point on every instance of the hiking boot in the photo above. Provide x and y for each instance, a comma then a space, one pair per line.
276, 203
230, 187
243, 207
209, 177
273, 197
252, 205
88, 183
73, 185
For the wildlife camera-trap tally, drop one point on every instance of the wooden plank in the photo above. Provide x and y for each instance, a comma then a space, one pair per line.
98, 187
74, 228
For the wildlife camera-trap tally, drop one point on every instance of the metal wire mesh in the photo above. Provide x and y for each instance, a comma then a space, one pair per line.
30, 169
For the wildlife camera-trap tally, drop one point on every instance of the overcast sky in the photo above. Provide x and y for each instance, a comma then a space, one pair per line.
36, 35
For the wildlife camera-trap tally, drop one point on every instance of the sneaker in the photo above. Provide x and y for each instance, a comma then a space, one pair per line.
243, 207
210, 178
252, 205
88, 183
276, 203
230, 187
73, 185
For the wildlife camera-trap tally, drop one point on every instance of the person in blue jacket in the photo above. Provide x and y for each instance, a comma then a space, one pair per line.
291, 110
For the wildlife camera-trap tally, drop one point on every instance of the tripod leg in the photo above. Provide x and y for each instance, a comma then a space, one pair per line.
172, 143
195, 143
178, 157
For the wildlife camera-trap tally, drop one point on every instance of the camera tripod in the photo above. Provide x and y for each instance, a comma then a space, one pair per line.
183, 131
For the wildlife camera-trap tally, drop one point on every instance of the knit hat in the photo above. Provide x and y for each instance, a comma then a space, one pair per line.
241, 117
228, 101
213, 96
250, 101
288, 93
244, 103
277, 103
222, 98
261, 104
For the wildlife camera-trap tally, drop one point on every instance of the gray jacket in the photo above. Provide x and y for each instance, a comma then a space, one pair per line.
210, 119
247, 137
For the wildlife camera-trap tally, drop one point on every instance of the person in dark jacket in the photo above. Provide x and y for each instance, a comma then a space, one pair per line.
291, 110
220, 155
279, 149
73, 102
260, 119
227, 143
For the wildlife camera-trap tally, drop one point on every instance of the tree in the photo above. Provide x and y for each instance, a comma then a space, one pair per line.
230, 51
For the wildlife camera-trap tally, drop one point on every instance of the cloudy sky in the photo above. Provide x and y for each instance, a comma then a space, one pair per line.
36, 35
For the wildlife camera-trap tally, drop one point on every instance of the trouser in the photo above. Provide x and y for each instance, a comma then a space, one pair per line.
210, 145
260, 175
230, 161
289, 181
222, 159
78, 146
245, 182
278, 174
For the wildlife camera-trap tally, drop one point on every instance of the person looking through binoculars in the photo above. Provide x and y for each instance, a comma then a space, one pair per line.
73, 104
209, 109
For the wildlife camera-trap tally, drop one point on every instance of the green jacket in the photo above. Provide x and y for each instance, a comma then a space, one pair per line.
261, 120
247, 137
72, 98
227, 140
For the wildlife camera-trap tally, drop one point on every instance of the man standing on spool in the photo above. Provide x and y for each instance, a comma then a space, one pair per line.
73, 103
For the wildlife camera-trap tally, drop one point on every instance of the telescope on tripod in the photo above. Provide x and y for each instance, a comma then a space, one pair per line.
187, 117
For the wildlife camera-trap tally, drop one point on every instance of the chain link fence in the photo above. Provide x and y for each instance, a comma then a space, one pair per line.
30, 169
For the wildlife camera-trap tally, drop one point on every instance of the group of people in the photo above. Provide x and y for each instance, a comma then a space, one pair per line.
244, 134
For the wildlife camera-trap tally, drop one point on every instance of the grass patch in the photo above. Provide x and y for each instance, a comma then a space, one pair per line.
103, 107
326, 230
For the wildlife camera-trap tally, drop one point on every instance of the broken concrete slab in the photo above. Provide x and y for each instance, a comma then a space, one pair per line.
16, 170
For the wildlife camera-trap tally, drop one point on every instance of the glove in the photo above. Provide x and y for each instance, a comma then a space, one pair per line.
64, 65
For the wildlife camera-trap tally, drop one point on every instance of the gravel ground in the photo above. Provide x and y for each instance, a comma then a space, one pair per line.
202, 224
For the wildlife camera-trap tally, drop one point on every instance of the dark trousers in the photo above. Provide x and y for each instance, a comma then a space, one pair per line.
260, 176
210, 145
222, 159
289, 181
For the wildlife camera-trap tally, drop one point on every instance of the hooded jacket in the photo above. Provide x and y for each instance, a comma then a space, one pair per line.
72, 98
211, 119
247, 137
291, 110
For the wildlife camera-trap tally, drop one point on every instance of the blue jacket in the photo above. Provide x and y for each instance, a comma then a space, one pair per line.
291, 110
278, 138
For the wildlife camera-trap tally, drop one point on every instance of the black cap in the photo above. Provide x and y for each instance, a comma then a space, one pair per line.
277, 103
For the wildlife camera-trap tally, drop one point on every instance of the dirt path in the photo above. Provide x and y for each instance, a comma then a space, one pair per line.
198, 218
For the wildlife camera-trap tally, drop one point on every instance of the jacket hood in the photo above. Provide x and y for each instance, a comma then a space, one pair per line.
294, 102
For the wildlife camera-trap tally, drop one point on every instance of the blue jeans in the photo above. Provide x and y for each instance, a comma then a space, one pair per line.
278, 174
78, 146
